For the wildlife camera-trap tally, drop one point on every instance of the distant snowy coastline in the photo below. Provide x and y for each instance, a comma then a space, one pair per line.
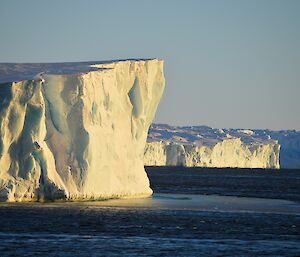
203, 146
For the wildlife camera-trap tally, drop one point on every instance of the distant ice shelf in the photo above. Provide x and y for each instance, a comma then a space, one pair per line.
203, 146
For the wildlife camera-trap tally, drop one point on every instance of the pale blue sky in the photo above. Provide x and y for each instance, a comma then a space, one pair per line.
228, 63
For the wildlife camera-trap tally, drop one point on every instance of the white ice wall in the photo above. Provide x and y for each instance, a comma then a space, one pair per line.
227, 153
78, 136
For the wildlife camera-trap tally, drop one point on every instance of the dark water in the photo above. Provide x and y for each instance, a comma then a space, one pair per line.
280, 184
185, 217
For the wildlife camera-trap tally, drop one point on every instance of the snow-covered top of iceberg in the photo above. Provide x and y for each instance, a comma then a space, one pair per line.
10, 72
204, 135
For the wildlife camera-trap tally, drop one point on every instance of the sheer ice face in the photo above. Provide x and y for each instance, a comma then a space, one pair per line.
78, 135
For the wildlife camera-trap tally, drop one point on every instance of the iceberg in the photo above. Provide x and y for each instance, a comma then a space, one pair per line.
76, 131
289, 141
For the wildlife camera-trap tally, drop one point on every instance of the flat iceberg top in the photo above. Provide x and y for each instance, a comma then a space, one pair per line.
10, 72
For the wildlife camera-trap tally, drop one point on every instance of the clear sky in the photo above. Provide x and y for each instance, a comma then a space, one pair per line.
231, 64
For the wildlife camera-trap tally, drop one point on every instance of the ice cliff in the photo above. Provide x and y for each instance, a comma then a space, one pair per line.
201, 146
76, 130
289, 141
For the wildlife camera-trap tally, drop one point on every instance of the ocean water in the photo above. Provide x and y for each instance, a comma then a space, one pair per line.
193, 212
